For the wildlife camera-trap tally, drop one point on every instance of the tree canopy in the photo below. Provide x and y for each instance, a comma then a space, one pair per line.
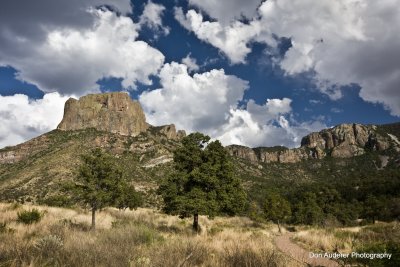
100, 183
276, 208
203, 182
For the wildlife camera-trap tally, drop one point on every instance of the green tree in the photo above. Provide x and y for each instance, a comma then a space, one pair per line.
203, 183
373, 208
276, 208
100, 183
308, 211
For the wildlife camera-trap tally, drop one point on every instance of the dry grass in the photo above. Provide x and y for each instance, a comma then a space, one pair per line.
142, 237
326, 240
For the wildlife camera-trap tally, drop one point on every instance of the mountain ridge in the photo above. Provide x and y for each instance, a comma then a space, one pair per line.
35, 170
341, 141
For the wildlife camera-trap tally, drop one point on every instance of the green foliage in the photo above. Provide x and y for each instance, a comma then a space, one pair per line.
204, 181
57, 201
373, 208
276, 208
100, 183
29, 217
307, 211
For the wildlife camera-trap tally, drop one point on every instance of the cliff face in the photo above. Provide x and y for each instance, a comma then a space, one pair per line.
347, 140
111, 112
342, 141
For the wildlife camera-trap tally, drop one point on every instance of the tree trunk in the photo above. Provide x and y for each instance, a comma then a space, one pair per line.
196, 222
93, 218
279, 227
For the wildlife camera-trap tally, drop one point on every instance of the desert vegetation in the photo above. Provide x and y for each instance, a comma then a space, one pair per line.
141, 237
375, 238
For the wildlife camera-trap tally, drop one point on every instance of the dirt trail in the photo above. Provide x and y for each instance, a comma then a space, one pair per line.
284, 244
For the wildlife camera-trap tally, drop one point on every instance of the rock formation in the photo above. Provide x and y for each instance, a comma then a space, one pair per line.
170, 132
346, 140
111, 112
342, 141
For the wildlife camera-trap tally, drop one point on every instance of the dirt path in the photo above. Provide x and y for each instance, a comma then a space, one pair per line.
285, 245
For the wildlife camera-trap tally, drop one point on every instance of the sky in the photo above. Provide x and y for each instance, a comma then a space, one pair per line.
254, 73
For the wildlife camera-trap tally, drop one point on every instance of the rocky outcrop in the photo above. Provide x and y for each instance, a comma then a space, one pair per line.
19, 152
170, 132
346, 140
243, 152
111, 112
342, 141
269, 155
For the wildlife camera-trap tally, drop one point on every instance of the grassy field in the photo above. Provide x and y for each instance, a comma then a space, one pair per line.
133, 238
377, 238
144, 237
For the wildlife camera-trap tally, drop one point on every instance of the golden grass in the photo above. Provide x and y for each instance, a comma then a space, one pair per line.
329, 240
142, 237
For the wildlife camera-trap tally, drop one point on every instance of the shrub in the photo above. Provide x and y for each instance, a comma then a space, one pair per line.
29, 217
242, 256
49, 245
3, 227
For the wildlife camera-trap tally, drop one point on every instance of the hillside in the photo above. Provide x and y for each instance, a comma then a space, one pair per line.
351, 160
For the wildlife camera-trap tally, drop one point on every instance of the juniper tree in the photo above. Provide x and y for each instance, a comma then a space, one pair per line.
100, 183
276, 208
203, 181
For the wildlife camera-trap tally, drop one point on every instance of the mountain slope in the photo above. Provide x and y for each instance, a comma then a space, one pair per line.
351, 160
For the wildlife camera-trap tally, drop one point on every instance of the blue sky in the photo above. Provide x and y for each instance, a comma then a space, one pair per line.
252, 73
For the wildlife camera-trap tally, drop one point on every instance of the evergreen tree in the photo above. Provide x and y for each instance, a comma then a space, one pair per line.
203, 182
373, 208
100, 183
276, 208
308, 211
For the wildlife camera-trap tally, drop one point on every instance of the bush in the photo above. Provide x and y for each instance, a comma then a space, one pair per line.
29, 217
49, 245
3, 227
242, 256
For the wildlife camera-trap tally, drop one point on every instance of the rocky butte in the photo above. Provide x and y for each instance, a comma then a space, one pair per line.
110, 112
115, 113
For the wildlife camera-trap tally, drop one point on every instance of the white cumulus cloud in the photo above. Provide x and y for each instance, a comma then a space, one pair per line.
22, 118
209, 102
195, 103
70, 57
231, 39
152, 17
191, 63
227, 11
343, 42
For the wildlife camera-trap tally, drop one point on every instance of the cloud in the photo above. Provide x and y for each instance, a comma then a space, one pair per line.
343, 42
22, 118
152, 17
191, 63
232, 39
209, 102
227, 11
57, 53
195, 103
336, 110
266, 125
